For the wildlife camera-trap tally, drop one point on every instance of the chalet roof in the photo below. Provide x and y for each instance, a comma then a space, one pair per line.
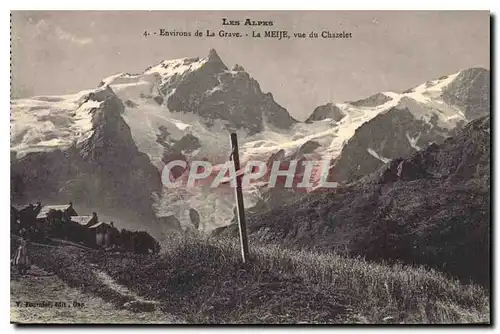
82, 220
45, 210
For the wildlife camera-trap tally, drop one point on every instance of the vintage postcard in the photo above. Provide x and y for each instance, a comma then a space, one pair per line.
250, 167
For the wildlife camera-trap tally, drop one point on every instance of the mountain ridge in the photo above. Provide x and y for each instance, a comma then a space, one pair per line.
358, 133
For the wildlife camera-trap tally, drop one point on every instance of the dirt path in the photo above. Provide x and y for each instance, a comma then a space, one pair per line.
124, 291
41, 297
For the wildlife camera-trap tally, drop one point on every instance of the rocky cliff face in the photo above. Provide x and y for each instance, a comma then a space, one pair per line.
372, 101
421, 116
214, 92
105, 171
328, 110
393, 134
471, 92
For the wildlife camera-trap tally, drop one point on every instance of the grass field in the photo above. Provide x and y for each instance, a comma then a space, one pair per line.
203, 280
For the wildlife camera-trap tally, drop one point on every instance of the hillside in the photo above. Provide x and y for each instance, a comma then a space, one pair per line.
202, 281
432, 208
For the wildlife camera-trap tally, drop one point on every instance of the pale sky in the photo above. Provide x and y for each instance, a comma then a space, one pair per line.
58, 52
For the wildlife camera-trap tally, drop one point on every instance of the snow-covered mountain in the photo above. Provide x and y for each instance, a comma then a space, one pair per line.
207, 88
412, 120
111, 142
78, 147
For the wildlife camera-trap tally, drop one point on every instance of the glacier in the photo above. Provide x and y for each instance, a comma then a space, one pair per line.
45, 123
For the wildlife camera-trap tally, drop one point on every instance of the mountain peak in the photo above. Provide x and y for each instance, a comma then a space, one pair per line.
475, 70
470, 90
214, 63
213, 56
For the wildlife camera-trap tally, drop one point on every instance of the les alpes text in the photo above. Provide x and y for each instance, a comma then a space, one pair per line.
247, 22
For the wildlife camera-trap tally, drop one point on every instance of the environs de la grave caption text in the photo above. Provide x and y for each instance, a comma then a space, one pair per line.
269, 31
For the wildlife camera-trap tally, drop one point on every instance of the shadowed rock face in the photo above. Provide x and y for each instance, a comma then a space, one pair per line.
188, 143
308, 147
471, 92
431, 208
215, 93
328, 110
389, 136
371, 101
397, 133
105, 171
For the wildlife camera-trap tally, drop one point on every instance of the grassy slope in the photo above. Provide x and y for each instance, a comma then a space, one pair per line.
203, 280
